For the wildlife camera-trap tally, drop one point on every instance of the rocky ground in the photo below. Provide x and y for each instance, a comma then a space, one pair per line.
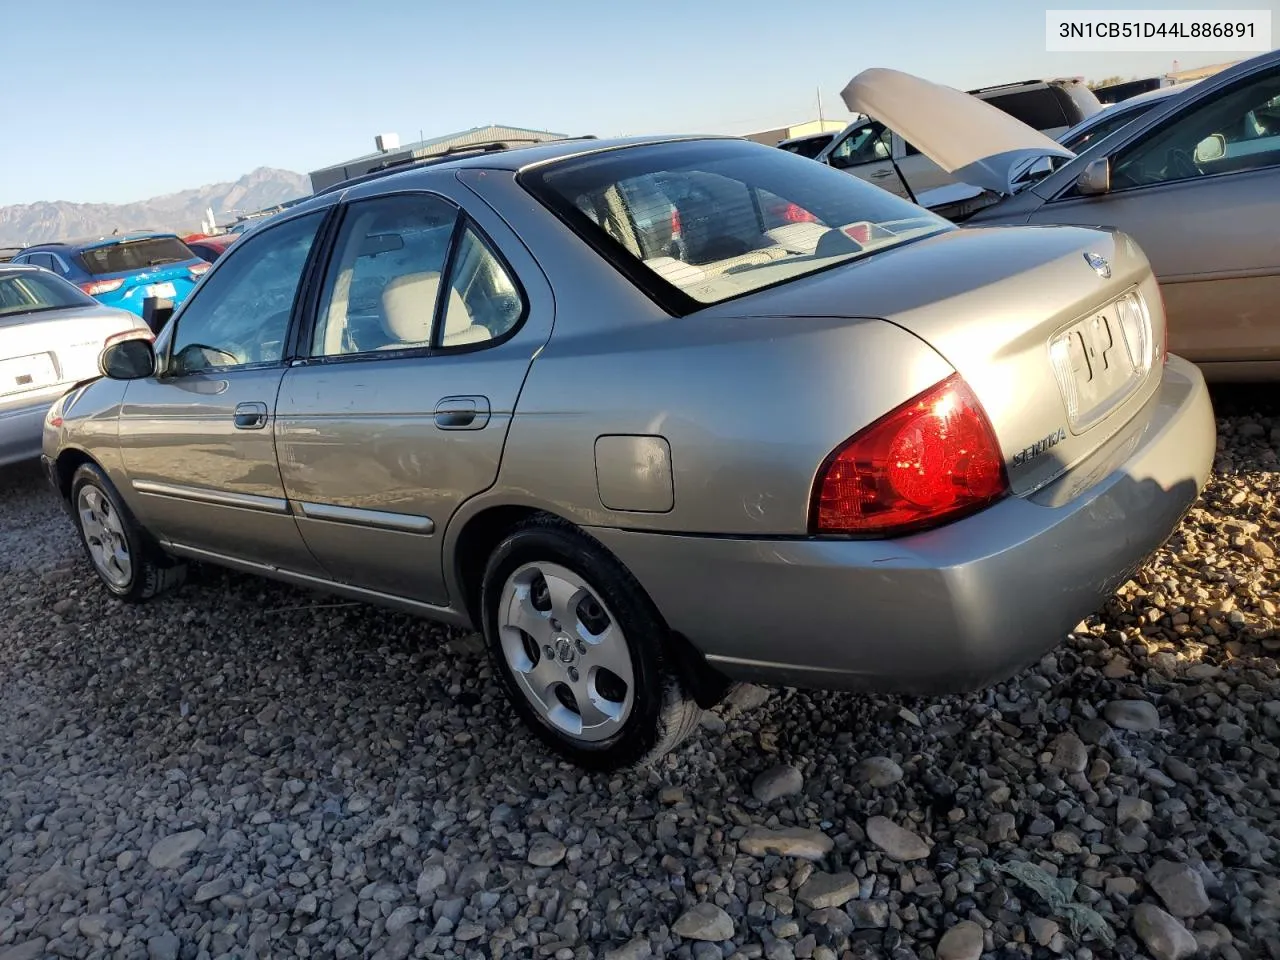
245, 769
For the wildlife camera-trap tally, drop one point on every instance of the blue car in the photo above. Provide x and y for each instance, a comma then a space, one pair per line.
122, 270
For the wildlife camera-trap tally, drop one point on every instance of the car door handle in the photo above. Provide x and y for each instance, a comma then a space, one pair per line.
881, 174
251, 416
462, 413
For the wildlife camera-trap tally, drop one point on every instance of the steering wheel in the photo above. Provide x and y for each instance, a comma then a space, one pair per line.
1180, 166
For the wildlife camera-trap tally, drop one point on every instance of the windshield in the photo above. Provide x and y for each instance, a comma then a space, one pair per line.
135, 255
29, 292
715, 219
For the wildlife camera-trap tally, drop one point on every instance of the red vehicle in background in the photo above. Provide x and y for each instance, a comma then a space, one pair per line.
210, 248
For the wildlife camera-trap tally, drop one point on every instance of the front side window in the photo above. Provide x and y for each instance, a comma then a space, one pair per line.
866, 144
746, 216
240, 315
1231, 132
404, 277
30, 292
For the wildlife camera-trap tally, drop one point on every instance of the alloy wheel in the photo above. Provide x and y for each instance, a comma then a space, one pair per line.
104, 535
567, 652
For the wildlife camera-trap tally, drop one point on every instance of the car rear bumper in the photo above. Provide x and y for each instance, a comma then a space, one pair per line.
952, 609
21, 430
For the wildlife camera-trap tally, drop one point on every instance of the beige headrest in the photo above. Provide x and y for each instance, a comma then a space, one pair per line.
408, 303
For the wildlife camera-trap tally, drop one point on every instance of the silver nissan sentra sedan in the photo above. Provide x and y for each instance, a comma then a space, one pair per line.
655, 416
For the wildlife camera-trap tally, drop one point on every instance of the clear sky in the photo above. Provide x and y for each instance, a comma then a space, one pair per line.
124, 101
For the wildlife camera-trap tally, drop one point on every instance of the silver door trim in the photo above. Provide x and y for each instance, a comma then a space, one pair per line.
222, 498
356, 516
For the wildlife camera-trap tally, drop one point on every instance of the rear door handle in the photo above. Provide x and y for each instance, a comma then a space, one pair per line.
251, 416
881, 174
462, 413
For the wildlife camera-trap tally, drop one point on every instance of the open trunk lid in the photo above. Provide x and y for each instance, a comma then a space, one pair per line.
1059, 331
978, 143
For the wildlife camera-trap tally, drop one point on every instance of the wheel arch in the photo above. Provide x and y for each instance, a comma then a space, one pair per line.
65, 466
479, 535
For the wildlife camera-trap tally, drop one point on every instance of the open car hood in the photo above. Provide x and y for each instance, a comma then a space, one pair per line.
967, 137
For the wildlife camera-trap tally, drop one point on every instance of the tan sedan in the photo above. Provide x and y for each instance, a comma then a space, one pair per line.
1195, 181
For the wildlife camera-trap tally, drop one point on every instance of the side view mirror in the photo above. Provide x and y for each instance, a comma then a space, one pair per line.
1211, 148
1095, 180
839, 162
129, 358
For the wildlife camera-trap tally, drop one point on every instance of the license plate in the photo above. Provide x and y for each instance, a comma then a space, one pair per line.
27, 373
1093, 367
160, 290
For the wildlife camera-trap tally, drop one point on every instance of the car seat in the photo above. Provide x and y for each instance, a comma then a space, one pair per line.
408, 304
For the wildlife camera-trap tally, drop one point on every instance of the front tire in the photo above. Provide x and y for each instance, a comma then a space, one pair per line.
128, 562
581, 650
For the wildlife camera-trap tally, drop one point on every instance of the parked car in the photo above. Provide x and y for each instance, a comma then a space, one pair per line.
1195, 181
51, 334
466, 390
809, 145
211, 248
122, 270
881, 154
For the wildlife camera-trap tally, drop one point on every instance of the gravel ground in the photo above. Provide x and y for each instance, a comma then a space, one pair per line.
247, 769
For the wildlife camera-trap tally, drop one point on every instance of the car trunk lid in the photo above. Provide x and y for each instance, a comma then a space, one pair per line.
43, 349
1030, 317
969, 138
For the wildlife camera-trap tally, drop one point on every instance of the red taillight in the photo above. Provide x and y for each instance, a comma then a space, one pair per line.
933, 459
95, 288
199, 269
794, 213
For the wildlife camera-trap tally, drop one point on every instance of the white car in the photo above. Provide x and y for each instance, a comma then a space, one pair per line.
51, 334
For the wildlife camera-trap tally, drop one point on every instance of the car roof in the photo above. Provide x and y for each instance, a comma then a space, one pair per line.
809, 136
100, 241
513, 158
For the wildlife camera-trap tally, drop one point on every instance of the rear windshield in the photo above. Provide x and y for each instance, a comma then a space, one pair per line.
704, 221
1042, 109
135, 255
31, 292
808, 147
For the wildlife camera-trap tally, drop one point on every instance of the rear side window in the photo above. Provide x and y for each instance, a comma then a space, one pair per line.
1104, 128
30, 292
1041, 109
739, 216
809, 147
135, 255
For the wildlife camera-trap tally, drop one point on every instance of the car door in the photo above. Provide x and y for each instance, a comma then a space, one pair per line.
1200, 193
423, 334
197, 438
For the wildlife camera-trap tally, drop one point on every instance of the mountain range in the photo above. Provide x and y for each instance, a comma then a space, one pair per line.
181, 212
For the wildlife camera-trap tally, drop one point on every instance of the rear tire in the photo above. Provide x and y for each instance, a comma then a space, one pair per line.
581, 650
127, 561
